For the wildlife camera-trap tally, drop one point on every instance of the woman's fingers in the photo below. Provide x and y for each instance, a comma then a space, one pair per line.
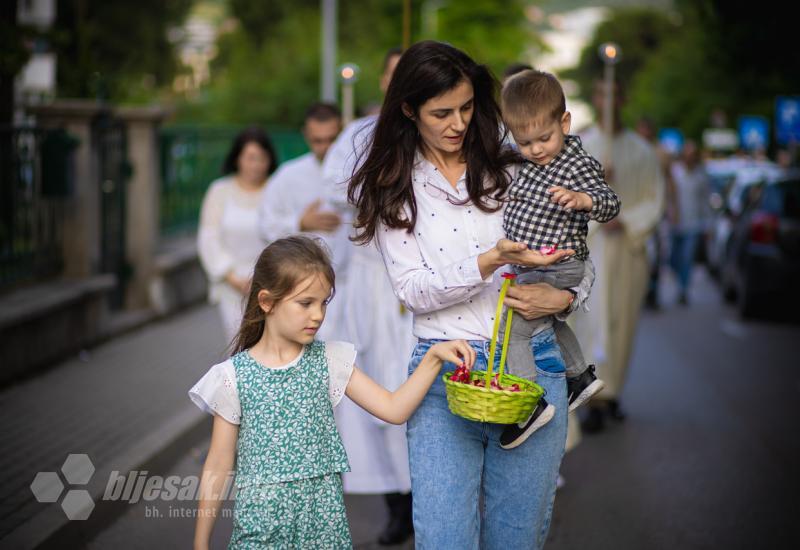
534, 258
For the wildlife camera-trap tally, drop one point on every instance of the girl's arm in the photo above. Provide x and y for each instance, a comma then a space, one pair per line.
396, 407
216, 473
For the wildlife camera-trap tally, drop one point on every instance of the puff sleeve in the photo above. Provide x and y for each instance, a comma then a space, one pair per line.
341, 357
215, 392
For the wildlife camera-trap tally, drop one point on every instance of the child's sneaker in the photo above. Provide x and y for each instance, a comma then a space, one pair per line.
515, 434
582, 387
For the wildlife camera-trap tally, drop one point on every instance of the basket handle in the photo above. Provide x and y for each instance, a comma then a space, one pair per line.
507, 282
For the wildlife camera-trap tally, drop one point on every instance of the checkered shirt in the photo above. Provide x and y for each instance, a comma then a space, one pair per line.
532, 217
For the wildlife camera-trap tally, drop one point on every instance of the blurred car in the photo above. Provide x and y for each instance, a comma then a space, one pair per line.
730, 181
763, 256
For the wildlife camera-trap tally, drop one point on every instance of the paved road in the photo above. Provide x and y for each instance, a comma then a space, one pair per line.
708, 457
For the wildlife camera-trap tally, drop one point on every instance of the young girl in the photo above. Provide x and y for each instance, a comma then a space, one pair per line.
273, 408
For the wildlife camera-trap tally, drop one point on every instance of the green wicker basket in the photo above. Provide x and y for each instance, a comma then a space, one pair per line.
489, 405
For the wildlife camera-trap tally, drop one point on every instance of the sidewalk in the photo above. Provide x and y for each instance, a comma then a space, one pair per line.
122, 404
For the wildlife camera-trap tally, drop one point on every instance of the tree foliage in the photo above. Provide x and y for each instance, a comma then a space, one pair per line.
709, 54
268, 69
116, 49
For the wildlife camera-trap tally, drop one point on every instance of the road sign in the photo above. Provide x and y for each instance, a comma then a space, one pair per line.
671, 139
753, 132
787, 119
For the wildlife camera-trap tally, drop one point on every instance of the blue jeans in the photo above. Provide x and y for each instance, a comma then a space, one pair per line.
453, 460
684, 248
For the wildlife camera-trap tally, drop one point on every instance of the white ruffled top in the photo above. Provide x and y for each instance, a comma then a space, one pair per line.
215, 392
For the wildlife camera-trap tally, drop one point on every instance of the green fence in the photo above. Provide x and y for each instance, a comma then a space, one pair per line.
192, 157
35, 180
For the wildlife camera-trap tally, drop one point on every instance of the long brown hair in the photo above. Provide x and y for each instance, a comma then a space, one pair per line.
381, 188
280, 267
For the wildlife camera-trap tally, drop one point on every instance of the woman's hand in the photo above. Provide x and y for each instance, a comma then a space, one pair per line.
454, 351
537, 300
509, 252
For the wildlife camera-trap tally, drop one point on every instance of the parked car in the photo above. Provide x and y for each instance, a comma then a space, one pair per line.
730, 182
763, 256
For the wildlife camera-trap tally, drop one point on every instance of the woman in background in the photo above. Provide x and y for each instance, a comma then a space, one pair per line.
228, 240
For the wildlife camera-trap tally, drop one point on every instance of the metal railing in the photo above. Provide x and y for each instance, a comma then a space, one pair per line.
191, 158
36, 177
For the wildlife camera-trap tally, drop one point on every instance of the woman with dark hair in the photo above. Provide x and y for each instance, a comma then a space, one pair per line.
430, 191
228, 239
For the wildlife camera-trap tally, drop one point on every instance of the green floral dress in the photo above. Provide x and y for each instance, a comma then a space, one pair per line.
289, 454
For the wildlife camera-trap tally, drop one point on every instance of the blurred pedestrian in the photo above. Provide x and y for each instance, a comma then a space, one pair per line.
619, 252
689, 216
381, 331
228, 241
430, 191
297, 198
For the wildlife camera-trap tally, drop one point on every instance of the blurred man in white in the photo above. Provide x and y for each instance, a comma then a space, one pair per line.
297, 199
382, 334
619, 253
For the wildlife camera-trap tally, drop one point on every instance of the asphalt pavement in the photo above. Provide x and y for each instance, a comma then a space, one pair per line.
707, 457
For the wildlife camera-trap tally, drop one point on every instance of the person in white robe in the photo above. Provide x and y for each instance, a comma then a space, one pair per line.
618, 250
298, 201
382, 332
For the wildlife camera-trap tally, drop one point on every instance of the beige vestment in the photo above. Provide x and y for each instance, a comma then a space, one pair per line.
607, 330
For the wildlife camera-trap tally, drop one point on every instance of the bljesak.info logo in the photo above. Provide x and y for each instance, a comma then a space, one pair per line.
78, 504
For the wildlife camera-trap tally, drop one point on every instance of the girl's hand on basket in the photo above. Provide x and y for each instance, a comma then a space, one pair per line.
454, 351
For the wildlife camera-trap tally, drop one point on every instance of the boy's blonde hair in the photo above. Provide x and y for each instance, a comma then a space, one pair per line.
532, 98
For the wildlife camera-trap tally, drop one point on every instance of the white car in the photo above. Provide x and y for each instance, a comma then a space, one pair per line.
731, 180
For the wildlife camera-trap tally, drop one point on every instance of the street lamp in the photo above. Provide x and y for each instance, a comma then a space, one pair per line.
610, 54
348, 74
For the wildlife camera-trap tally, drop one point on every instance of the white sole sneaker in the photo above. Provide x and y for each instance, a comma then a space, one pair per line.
590, 391
545, 417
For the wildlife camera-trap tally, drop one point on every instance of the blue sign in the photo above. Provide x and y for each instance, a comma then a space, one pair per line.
753, 132
787, 119
671, 139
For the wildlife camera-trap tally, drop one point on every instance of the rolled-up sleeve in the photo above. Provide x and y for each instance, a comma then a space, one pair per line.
418, 286
589, 179
582, 291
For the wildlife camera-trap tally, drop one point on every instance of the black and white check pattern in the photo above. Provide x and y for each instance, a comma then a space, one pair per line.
532, 217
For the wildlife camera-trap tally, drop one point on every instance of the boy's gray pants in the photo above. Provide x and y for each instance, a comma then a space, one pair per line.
519, 358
